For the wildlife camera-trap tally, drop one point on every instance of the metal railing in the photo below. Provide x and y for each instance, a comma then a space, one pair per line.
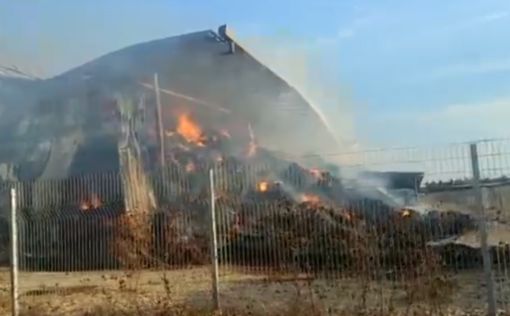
273, 230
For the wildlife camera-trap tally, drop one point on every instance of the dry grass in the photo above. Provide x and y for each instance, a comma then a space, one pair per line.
187, 292
424, 290
138, 291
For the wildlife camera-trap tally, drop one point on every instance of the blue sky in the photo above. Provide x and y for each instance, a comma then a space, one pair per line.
385, 73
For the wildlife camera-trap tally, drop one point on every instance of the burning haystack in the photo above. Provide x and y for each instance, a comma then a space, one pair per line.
65, 126
271, 212
190, 104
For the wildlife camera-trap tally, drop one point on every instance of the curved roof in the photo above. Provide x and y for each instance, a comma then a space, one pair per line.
199, 65
197, 71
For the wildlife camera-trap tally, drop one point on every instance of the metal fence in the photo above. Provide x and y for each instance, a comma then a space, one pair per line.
271, 236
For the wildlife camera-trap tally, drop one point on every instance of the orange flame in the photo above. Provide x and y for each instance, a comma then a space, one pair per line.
92, 203
95, 201
405, 213
84, 206
310, 198
317, 173
263, 186
190, 167
190, 130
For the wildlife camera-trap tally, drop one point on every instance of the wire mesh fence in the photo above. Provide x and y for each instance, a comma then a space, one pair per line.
340, 239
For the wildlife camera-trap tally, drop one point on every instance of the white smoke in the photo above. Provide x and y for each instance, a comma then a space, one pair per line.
295, 63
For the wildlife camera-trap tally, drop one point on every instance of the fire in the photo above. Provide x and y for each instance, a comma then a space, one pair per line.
92, 203
310, 198
263, 186
317, 173
190, 130
405, 213
190, 167
95, 201
84, 206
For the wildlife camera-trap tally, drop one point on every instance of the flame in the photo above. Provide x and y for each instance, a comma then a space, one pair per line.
317, 173
95, 201
190, 130
263, 186
405, 213
92, 203
252, 146
310, 198
84, 206
190, 167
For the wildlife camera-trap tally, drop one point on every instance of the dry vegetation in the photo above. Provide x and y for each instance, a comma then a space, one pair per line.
137, 290
187, 292
363, 289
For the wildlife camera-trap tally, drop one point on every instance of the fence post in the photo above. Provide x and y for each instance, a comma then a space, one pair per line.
14, 253
214, 243
482, 222
159, 114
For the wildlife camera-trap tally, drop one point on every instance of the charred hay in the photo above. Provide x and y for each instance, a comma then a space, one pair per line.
270, 228
285, 235
316, 238
303, 237
271, 212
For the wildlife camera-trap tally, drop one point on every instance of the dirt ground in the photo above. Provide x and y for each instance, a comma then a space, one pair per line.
79, 292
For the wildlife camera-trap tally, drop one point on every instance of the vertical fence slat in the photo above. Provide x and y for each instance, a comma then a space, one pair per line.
14, 253
214, 243
487, 265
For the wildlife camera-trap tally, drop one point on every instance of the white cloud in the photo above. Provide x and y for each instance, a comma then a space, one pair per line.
465, 24
477, 21
493, 113
475, 68
435, 141
491, 17
346, 33
463, 122
451, 123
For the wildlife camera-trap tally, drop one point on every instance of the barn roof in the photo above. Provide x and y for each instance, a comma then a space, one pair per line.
199, 66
